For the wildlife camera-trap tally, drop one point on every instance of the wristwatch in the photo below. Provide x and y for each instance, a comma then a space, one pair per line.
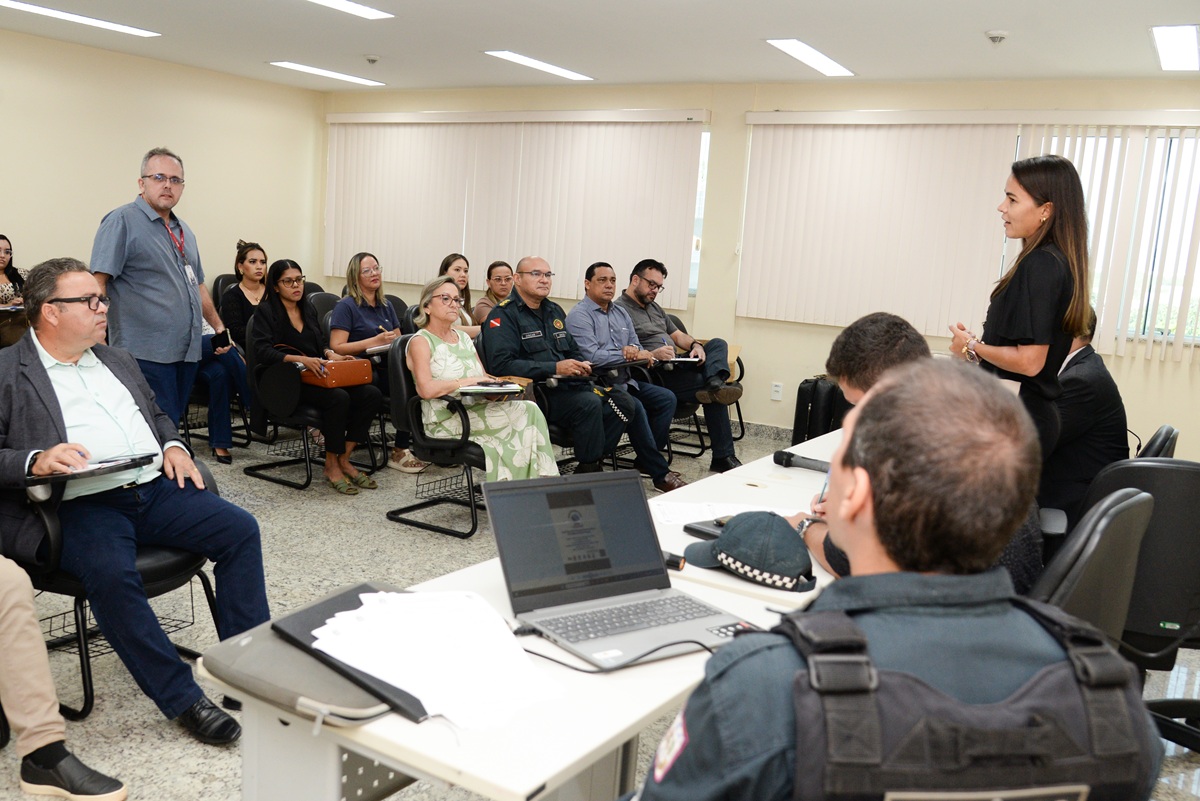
806, 523
969, 350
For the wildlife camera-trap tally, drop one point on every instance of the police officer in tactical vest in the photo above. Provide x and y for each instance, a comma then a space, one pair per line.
920, 671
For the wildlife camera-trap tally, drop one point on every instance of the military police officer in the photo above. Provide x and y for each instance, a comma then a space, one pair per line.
526, 335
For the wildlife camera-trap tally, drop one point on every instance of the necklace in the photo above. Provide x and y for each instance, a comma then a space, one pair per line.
255, 299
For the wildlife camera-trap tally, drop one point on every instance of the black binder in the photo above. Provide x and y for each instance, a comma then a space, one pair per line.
297, 628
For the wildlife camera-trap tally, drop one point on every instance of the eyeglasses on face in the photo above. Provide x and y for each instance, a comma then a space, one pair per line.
370, 270
499, 279
159, 178
8, 252
654, 285
297, 281
537, 275
450, 300
93, 301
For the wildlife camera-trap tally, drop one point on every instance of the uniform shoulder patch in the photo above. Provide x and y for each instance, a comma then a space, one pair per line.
494, 322
674, 740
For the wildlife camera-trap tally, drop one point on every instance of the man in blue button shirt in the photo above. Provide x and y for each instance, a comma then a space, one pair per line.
67, 401
147, 260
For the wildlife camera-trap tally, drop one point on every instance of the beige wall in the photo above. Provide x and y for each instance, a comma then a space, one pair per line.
1155, 392
77, 121
80, 118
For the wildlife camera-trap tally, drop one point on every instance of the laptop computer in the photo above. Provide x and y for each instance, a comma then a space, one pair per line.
583, 566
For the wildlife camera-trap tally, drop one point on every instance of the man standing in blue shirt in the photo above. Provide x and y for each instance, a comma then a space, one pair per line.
604, 333
147, 261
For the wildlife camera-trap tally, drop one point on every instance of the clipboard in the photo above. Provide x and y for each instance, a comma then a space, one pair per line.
99, 469
475, 389
297, 629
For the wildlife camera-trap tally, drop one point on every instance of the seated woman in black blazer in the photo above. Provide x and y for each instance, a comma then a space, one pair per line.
286, 330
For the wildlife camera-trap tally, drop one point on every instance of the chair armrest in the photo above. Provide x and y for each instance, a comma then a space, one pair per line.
438, 443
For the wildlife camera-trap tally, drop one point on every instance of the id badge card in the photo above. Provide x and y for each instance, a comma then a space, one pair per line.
190, 274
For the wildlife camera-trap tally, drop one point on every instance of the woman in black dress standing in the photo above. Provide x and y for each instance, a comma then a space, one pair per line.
1041, 303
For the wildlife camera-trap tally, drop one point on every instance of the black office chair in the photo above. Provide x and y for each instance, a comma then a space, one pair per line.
458, 489
690, 439
400, 307
162, 570
408, 323
1165, 604
322, 302
1161, 444
220, 284
1092, 575
277, 390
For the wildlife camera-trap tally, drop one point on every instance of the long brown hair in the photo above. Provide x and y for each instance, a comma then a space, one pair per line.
1053, 179
465, 292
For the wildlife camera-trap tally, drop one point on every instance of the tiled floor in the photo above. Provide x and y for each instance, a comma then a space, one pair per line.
315, 541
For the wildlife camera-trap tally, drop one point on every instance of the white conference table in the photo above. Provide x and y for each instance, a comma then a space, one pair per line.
582, 746
761, 484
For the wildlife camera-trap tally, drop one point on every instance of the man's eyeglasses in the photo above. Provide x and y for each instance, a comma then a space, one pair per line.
93, 301
654, 285
450, 300
370, 271
537, 275
159, 178
297, 281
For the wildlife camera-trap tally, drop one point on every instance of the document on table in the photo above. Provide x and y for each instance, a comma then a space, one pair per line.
452, 650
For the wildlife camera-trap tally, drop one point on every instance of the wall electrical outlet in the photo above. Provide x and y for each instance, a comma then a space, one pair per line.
776, 391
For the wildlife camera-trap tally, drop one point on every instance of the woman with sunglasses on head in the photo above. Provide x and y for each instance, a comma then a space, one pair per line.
500, 282
240, 300
443, 360
1041, 303
13, 322
457, 267
286, 330
365, 319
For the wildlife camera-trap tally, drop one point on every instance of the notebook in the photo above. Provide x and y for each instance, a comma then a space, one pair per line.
580, 553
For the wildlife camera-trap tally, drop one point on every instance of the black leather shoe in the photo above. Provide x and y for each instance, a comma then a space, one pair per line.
208, 724
231, 703
226, 459
70, 779
588, 467
723, 463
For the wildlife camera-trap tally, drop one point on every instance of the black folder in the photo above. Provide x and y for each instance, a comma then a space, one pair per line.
297, 628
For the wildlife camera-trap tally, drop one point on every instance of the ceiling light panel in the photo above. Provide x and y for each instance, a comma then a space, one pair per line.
339, 76
1178, 47
357, 9
526, 61
63, 15
812, 57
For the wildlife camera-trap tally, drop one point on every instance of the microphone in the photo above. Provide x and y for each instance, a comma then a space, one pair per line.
789, 459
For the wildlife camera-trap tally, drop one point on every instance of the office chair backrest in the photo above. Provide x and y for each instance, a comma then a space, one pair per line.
311, 288
408, 324
220, 285
323, 303
1092, 574
400, 383
678, 323
399, 306
1160, 444
325, 323
1166, 592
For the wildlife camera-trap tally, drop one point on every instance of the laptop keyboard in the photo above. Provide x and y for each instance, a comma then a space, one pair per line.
583, 626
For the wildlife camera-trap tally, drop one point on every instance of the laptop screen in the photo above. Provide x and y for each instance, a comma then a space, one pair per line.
574, 538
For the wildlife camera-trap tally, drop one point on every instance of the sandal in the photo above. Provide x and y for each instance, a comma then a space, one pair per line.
364, 481
407, 463
343, 486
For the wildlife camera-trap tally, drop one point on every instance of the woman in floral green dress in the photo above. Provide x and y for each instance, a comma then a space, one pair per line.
512, 434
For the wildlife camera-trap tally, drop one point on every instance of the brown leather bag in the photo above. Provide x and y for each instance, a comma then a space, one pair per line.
351, 373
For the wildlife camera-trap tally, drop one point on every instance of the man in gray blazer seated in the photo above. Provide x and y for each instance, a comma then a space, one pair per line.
65, 401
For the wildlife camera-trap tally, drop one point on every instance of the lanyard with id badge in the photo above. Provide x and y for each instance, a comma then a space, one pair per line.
178, 242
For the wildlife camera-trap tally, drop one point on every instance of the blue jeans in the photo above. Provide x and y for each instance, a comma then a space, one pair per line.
659, 403
101, 533
222, 374
172, 385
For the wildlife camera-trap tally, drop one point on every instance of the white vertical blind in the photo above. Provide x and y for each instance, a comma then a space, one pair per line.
843, 220
571, 192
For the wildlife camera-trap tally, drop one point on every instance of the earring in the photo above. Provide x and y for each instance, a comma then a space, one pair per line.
1044, 219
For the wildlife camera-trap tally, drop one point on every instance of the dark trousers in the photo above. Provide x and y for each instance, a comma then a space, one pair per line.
594, 426
223, 375
346, 412
685, 380
101, 533
650, 426
172, 385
